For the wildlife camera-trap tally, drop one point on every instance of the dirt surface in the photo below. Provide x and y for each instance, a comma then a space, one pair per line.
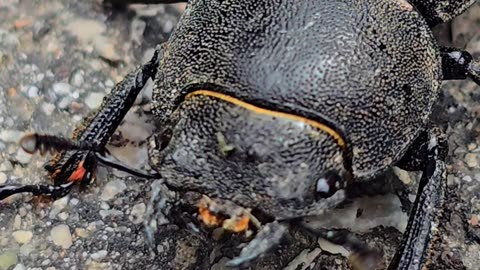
58, 60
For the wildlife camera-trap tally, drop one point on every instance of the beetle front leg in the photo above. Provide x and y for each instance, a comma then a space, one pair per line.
424, 218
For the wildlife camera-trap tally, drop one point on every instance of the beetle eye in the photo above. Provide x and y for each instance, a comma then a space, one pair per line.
328, 184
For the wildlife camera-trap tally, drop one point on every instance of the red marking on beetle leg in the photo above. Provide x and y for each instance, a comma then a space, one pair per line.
78, 174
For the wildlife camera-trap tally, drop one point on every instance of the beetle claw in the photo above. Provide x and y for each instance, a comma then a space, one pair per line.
267, 238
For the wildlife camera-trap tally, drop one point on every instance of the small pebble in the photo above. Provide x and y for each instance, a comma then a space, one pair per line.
19, 267
17, 222
10, 136
61, 236
106, 49
474, 220
94, 100
22, 211
32, 91
23, 157
104, 206
58, 206
471, 160
74, 201
99, 255
113, 212
65, 102
81, 232
77, 78
45, 262
111, 189
3, 178
63, 216
6, 166
471, 146
136, 216
109, 83
467, 178
8, 259
403, 175
85, 30
48, 108
62, 88
22, 237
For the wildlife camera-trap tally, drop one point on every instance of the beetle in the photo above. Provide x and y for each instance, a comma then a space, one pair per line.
281, 106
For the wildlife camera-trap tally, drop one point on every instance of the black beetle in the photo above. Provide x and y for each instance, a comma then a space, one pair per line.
279, 106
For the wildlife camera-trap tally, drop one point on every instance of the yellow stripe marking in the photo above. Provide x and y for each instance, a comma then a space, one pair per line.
259, 110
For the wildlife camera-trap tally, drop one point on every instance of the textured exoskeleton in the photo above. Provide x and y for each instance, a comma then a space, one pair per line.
279, 106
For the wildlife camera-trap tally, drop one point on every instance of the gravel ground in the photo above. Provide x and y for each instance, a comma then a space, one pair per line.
58, 60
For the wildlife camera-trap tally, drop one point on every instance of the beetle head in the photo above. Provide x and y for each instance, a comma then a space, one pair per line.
280, 164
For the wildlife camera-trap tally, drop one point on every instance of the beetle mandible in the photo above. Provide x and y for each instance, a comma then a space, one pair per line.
279, 106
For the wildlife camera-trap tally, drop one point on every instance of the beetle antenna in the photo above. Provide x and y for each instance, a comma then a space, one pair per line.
32, 143
108, 159
52, 191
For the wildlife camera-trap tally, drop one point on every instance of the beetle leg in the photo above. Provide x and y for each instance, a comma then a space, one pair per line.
267, 238
52, 191
50, 143
459, 65
424, 218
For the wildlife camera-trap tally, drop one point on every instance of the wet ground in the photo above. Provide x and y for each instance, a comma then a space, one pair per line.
58, 60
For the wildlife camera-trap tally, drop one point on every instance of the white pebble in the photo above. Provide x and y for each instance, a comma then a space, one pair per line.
48, 108
61, 236
94, 100
113, 213
63, 216
23, 157
20, 267
65, 102
78, 78
471, 160
136, 216
3, 178
32, 91
17, 222
10, 136
99, 255
112, 189
62, 88
22, 237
